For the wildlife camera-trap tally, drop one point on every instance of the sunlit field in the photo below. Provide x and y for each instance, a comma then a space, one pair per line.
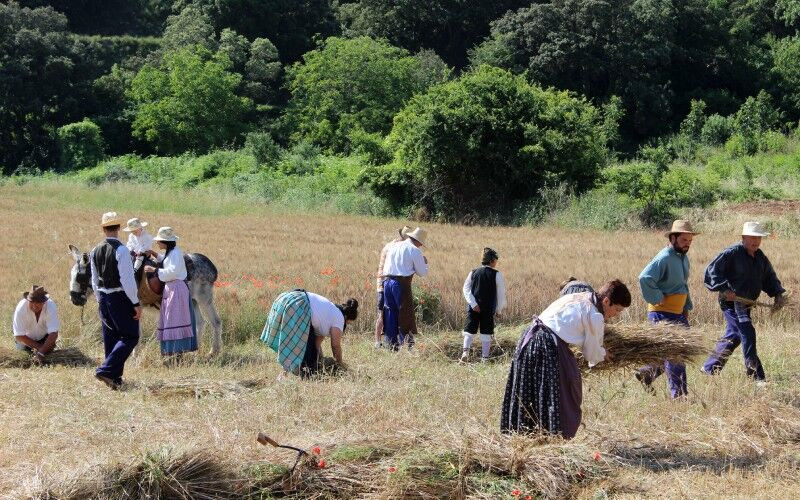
430, 422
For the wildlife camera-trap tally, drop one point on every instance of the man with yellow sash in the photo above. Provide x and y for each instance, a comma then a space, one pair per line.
665, 288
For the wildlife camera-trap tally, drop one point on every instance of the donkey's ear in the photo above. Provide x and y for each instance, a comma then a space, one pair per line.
76, 254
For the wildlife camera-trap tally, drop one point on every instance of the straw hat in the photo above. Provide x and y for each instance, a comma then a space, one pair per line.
134, 224
37, 294
166, 234
110, 219
418, 234
681, 226
754, 229
404, 231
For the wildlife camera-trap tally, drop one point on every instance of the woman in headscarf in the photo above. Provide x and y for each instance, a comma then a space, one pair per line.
176, 325
299, 322
544, 392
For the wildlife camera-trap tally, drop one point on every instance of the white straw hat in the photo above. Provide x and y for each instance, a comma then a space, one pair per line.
166, 234
754, 229
134, 224
418, 234
110, 219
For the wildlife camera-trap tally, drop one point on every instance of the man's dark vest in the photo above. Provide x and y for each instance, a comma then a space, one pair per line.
484, 287
105, 263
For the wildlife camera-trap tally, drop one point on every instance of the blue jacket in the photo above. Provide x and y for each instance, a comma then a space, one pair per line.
734, 269
666, 274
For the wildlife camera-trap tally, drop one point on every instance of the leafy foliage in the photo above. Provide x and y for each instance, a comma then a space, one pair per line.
475, 146
349, 85
189, 103
81, 145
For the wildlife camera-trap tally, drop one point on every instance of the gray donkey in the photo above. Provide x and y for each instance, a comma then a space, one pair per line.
201, 277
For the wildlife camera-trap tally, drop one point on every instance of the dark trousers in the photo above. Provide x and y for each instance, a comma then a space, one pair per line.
120, 333
310, 364
676, 372
483, 320
736, 332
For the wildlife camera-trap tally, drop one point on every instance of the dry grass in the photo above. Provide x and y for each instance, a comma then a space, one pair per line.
422, 413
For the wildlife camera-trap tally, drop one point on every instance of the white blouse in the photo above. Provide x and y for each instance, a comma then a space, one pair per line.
174, 266
140, 244
576, 320
324, 315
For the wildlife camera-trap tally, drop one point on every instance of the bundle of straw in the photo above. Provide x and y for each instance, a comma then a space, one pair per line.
200, 388
632, 345
69, 356
197, 474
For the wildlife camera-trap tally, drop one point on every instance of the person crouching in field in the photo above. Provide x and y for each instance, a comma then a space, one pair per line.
544, 392
379, 282
665, 288
176, 329
299, 322
485, 293
35, 323
403, 261
741, 270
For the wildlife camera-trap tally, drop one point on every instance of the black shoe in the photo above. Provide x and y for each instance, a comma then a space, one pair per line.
113, 385
647, 382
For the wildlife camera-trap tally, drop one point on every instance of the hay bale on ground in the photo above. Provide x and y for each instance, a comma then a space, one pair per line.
200, 475
633, 345
200, 388
69, 356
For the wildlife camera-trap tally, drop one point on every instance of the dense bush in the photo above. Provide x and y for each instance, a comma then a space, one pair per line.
473, 148
350, 85
80, 145
188, 103
716, 130
263, 148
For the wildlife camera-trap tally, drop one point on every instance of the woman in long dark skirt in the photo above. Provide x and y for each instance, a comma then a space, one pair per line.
544, 391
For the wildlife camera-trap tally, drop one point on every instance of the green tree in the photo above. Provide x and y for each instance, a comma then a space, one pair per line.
448, 27
786, 53
189, 103
80, 144
656, 55
476, 147
38, 85
291, 25
345, 86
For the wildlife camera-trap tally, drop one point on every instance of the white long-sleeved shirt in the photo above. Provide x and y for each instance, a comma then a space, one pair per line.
126, 276
25, 323
140, 244
576, 320
404, 259
324, 315
501, 292
174, 266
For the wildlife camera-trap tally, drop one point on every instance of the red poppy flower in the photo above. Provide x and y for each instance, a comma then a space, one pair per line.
516, 493
315, 450
596, 456
322, 463
392, 469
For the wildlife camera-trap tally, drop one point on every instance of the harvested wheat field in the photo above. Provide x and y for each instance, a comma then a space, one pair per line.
404, 425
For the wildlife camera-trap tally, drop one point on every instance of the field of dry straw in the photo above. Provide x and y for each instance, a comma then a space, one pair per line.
391, 425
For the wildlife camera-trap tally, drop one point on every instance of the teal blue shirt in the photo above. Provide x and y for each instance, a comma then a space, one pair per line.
666, 274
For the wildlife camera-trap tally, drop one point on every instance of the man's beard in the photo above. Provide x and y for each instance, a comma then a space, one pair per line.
679, 249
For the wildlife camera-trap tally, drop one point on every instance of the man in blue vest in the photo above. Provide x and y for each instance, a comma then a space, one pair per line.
117, 296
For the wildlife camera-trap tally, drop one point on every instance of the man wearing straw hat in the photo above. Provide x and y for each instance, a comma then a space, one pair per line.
115, 288
379, 282
35, 323
665, 288
403, 261
740, 273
